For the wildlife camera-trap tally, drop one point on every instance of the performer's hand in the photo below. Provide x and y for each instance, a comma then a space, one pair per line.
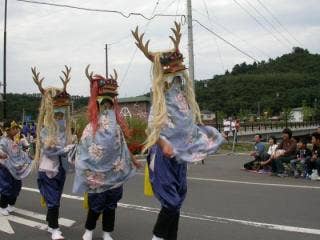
167, 150
137, 164
3, 155
69, 147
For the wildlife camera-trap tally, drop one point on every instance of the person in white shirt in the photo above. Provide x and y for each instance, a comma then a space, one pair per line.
271, 151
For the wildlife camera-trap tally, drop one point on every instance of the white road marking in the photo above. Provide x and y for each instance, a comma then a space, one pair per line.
62, 221
5, 225
207, 217
249, 183
28, 222
254, 183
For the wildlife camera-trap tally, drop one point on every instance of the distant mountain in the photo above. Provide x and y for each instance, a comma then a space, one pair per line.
285, 82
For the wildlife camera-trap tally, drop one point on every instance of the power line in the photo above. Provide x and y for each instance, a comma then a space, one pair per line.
270, 23
258, 22
103, 10
178, 4
210, 21
226, 41
169, 5
235, 35
136, 49
278, 21
129, 35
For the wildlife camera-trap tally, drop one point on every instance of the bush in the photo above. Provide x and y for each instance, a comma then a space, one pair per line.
138, 136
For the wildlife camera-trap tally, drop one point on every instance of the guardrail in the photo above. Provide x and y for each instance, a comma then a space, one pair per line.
271, 126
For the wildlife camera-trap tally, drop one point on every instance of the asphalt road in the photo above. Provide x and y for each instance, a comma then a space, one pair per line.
223, 202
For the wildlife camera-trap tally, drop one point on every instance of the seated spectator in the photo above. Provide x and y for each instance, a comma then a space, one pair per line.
266, 159
314, 161
286, 151
303, 155
259, 151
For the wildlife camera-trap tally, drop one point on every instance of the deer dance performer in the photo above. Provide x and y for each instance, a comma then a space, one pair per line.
52, 146
103, 162
173, 136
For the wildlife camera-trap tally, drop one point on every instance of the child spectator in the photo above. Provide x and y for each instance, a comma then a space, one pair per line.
314, 161
266, 159
303, 155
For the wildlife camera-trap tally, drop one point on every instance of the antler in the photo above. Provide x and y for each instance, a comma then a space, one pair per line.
115, 77
36, 79
67, 78
140, 45
89, 75
177, 35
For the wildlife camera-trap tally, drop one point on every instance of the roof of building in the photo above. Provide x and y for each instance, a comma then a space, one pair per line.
206, 112
135, 99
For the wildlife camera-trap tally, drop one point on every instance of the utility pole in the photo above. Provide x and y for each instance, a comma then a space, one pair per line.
190, 41
5, 62
107, 70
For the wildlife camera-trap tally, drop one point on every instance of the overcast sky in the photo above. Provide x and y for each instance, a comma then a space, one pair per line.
50, 37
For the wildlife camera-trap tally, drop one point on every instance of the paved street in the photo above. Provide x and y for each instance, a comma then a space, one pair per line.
223, 202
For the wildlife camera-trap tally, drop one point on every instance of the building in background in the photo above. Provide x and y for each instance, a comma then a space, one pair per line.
137, 107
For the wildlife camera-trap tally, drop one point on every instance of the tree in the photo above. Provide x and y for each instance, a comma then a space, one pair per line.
307, 112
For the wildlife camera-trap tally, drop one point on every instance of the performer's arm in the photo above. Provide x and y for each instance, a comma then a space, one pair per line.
166, 147
136, 162
3, 154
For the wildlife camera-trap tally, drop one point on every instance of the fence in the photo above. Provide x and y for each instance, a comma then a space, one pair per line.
271, 126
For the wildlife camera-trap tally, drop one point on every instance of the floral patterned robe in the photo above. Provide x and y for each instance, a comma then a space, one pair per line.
191, 143
18, 162
103, 161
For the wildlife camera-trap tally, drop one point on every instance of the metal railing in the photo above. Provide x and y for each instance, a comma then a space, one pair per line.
256, 127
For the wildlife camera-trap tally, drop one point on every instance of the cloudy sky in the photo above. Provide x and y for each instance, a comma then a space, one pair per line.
50, 37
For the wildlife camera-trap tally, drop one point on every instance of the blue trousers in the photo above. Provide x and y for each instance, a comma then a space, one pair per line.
169, 183
51, 188
168, 179
9, 187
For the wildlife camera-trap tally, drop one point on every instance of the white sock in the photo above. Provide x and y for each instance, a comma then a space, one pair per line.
4, 212
87, 235
156, 238
107, 236
56, 234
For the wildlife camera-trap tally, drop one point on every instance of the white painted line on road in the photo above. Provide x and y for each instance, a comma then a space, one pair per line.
254, 183
207, 217
62, 221
28, 222
5, 225
249, 183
